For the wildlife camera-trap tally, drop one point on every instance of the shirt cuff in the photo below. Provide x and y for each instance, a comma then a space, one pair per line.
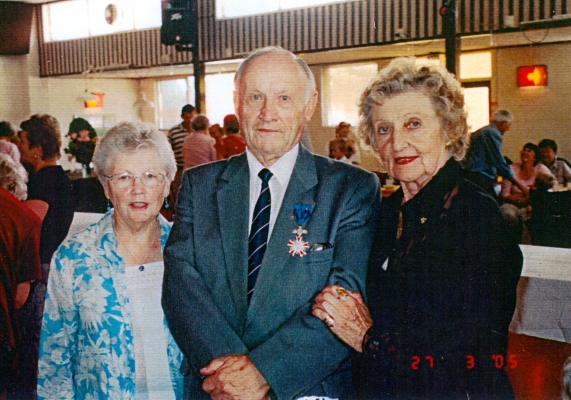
376, 345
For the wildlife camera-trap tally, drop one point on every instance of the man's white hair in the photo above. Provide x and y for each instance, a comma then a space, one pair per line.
276, 49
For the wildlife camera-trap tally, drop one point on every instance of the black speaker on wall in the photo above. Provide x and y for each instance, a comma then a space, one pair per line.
178, 22
15, 27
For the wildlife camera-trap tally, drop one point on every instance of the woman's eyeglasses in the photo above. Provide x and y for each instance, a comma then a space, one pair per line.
123, 180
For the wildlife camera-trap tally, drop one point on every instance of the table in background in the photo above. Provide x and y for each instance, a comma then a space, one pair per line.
540, 331
544, 294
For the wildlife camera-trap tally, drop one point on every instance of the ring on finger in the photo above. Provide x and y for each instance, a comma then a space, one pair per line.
329, 321
342, 292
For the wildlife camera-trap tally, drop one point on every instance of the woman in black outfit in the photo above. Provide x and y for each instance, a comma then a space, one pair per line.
50, 194
443, 272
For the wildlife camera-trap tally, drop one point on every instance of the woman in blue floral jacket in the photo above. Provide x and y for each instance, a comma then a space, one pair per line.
104, 334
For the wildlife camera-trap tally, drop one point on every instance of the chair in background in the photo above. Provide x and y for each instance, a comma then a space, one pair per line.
550, 223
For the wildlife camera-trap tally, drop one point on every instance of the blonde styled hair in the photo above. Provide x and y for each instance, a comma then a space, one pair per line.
444, 91
11, 178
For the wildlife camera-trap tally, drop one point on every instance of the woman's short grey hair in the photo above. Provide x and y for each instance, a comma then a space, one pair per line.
445, 92
126, 138
11, 178
277, 49
200, 122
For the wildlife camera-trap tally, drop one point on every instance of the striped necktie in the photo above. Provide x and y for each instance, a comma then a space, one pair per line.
259, 231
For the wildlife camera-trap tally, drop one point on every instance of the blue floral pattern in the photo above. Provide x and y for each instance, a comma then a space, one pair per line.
86, 343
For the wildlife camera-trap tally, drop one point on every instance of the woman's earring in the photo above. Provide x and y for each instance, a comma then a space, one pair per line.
108, 205
166, 202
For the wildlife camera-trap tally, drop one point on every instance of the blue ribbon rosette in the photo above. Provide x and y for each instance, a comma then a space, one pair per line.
301, 213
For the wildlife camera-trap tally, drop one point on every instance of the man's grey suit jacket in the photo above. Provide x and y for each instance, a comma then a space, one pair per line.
206, 268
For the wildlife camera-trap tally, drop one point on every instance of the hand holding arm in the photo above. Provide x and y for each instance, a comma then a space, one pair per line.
234, 377
350, 316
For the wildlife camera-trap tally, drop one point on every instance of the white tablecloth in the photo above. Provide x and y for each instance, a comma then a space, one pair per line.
83, 220
544, 294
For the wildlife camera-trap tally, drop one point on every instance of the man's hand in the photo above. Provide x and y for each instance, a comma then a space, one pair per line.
234, 377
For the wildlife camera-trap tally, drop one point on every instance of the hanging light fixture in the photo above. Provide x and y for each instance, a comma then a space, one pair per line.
142, 101
89, 99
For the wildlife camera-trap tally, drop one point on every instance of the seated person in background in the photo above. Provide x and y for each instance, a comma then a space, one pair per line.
198, 147
342, 131
515, 204
103, 332
338, 150
234, 143
19, 264
217, 133
558, 167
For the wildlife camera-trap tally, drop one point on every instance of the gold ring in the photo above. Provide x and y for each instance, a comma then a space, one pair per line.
342, 292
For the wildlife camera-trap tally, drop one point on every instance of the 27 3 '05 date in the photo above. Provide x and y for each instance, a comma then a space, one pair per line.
499, 361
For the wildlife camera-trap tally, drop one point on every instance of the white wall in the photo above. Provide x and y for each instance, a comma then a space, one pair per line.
24, 93
540, 112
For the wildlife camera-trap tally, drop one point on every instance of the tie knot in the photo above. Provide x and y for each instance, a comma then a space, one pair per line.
265, 175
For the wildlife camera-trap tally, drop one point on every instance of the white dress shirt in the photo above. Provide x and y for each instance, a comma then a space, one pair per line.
278, 183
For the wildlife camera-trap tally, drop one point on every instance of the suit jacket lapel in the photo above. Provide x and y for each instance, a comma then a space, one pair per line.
300, 190
233, 211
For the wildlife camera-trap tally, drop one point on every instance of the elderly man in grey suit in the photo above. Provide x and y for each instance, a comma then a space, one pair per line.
256, 238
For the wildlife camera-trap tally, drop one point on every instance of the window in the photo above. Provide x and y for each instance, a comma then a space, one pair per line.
76, 19
173, 94
476, 68
476, 65
58, 25
242, 8
341, 88
477, 99
219, 96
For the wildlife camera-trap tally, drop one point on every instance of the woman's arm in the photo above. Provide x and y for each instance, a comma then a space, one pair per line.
56, 365
40, 207
345, 313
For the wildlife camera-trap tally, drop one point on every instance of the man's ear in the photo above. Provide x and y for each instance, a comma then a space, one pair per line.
310, 106
39, 151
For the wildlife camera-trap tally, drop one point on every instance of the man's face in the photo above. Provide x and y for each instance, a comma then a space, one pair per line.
271, 105
26, 154
187, 119
504, 126
547, 155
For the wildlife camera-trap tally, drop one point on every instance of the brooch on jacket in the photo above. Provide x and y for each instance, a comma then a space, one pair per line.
301, 213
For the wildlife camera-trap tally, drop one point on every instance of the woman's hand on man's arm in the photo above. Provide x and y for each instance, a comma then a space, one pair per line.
345, 313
